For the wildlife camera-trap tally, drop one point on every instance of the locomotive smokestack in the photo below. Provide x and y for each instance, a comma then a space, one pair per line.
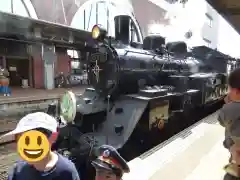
122, 28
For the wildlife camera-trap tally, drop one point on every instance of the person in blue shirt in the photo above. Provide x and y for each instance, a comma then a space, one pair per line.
54, 166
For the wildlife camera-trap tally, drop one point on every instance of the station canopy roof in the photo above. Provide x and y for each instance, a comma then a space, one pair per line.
30, 30
230, 10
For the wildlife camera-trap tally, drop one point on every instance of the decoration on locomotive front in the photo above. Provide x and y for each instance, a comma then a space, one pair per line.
158, 114
102, 64
68, 106
96, 71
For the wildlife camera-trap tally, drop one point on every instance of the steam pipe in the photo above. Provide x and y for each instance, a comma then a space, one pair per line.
108, 108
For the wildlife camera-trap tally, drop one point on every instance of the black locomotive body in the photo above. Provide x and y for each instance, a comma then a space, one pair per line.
126, 70
135, 91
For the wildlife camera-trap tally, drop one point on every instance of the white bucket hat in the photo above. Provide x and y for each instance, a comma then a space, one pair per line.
34, 121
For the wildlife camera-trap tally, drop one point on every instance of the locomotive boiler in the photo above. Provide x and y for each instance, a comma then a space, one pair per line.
136, 90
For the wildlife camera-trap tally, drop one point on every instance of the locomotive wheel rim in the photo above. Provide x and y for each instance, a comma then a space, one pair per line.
161, 124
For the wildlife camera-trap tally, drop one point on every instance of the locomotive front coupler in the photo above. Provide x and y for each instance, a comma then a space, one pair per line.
73, 144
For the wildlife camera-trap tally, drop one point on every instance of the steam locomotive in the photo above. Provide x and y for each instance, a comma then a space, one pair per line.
136, 89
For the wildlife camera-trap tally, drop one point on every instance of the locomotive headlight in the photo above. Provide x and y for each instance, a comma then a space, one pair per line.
98, 32
95, 32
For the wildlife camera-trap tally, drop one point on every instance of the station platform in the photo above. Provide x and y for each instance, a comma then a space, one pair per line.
196, 153
24, 101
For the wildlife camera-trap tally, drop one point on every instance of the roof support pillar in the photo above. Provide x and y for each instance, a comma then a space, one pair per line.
49, 58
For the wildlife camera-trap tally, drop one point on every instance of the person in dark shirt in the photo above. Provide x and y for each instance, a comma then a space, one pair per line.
229, 118
109, 164
54, 166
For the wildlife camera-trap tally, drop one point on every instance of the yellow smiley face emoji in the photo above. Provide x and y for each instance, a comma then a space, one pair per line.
33, 146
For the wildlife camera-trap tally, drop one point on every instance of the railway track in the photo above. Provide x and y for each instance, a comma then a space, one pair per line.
8, 154
8, 157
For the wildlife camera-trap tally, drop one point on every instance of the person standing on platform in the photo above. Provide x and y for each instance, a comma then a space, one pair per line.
229, 118
4, 82
109, 164
35, 133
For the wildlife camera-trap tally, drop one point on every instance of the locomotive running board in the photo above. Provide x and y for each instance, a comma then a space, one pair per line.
194, 153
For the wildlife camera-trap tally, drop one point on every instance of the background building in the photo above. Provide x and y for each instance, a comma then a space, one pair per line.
168, 17
199, 20
15, 56
195, 22
19, 7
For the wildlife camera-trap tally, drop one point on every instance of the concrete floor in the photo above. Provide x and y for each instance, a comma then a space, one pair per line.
199, 156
